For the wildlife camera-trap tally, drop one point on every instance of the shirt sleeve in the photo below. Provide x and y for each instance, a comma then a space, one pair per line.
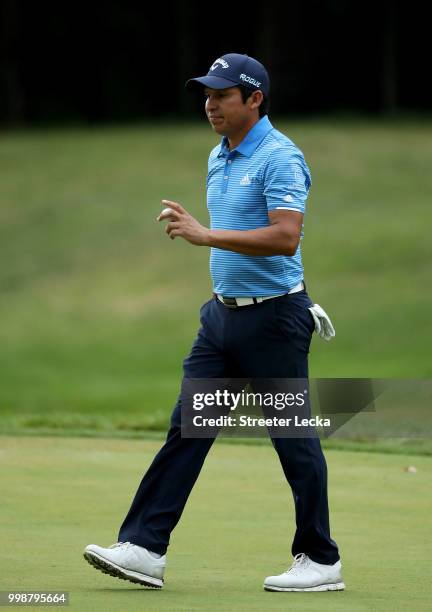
286, 181
211, 162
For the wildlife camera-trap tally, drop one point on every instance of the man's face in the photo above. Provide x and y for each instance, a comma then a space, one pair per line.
226, 111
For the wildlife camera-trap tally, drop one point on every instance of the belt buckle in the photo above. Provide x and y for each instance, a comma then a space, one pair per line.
230, 302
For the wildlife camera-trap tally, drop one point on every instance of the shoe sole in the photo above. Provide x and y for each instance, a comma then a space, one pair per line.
336, 586
110, 568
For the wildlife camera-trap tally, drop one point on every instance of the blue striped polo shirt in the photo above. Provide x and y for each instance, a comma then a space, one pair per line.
266, 171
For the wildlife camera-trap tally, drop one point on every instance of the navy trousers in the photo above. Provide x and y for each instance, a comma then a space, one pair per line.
266, 340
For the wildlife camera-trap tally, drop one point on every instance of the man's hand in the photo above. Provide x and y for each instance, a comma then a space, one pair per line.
181, 223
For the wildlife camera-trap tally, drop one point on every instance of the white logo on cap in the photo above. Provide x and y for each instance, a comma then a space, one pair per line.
221, 62
249, 79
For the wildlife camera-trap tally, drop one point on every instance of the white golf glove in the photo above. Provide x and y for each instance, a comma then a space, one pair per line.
323, 325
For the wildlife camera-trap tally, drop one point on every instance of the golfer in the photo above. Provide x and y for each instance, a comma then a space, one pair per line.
258, 324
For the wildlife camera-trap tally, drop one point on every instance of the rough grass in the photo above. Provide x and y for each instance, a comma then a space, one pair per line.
99, 308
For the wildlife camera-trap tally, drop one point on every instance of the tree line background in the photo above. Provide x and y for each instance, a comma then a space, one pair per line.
124, 60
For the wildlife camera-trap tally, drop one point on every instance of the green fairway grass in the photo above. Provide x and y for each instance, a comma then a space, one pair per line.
60, 494
99, 307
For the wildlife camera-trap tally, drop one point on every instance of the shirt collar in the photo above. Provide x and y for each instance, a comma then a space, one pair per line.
251, 141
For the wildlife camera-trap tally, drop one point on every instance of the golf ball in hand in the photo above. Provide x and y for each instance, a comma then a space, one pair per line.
166, 212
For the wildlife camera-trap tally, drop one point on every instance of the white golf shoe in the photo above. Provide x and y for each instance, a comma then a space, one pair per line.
128, 561
306, 575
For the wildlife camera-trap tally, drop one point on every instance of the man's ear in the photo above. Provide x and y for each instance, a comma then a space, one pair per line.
255, 99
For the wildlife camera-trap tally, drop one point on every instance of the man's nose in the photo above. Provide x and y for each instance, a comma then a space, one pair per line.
211, 103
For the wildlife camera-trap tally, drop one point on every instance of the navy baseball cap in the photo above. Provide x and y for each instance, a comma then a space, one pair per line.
234, 69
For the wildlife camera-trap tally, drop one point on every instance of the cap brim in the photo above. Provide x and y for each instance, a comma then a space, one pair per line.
213, 82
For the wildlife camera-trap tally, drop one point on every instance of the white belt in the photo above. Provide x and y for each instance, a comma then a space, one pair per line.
235, 302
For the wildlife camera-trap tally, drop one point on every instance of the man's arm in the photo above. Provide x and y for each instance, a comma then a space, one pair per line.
281, 237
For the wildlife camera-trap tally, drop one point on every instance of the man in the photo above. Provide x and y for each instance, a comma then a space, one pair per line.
258, 324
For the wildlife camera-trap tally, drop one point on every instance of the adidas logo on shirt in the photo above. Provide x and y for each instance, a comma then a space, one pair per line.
245, 180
